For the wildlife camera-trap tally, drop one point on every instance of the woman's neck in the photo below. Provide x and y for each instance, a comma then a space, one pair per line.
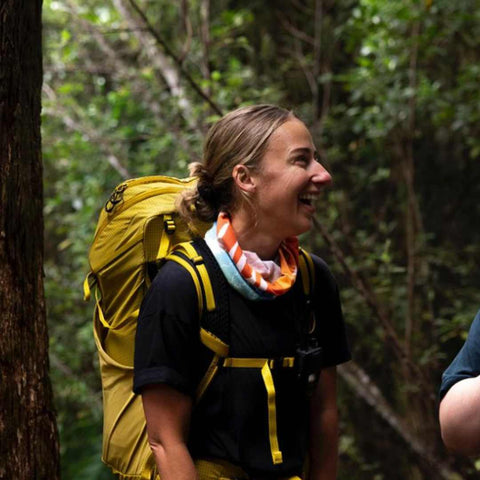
250, 237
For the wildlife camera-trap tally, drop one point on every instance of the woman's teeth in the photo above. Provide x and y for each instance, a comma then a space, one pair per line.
307, 198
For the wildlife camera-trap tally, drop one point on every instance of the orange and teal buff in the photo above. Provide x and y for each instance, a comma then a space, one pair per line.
239, 273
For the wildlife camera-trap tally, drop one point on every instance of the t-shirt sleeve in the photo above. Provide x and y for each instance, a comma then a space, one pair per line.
166, 342
329, 317
467, 362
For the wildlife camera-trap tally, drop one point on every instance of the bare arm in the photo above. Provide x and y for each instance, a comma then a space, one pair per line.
460, 417
323, 451
167, 412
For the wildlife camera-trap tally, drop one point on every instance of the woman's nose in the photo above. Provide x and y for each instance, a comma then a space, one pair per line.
321, 175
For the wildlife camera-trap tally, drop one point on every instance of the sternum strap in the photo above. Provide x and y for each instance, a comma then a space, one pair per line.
265, 365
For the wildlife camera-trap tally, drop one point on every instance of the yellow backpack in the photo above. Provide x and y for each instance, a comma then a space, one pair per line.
137, 229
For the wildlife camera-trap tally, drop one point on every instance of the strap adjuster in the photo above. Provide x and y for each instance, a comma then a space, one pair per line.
281, 362
198, 260
169, 226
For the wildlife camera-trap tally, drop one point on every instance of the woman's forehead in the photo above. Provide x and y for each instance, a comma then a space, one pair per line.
292, 135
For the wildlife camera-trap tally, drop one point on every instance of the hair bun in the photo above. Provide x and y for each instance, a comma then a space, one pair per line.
208, 194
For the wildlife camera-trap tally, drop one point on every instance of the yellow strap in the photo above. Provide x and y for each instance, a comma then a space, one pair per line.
101, 317
272, 415
207, 378
307, 269
288, 362
87, 285
86, 289
304, 272
264, 364
235, 362
212, 342
209, 297
189, 250
164, 246
245, 362
194, 276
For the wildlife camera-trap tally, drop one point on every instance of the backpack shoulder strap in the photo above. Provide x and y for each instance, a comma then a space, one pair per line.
185, 255
218, 323
198, 260
212, 295
193, 273
307, 271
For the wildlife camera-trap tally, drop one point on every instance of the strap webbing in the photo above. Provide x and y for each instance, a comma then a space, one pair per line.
307, 270
214, 343
86, 288
189, 251
193, 273
265, 364
101, 316
164, 245
207, 378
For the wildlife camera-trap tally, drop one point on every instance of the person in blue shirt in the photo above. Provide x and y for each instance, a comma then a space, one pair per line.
459, 412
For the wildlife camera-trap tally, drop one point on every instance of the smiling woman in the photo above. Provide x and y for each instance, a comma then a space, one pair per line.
270, 409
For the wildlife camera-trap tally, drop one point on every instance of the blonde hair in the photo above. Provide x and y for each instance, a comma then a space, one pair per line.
240, 137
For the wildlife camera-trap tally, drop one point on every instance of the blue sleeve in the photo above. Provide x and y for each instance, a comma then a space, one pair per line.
167, 337
467, 362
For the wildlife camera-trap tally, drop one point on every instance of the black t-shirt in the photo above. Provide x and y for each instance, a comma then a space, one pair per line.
231, 420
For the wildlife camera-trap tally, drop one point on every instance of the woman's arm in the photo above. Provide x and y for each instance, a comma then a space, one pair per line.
167, 412
460, 417
323, 452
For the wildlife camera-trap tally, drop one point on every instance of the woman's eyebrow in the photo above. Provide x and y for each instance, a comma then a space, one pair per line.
303, 150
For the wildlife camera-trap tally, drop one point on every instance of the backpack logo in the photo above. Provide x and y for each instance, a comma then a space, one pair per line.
115, 197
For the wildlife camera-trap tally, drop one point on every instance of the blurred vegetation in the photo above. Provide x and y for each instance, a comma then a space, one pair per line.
390, 92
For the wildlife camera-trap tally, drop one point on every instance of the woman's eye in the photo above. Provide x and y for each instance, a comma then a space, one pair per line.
302, 160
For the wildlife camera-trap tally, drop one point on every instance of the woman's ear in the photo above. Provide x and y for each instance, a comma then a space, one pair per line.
243, 179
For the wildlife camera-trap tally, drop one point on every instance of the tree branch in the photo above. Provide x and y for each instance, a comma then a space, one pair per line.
409, 175
159, 60
205, 37
364, 387
317, 52
295, 32
122, 71
176, 60
187, 25
90, 133
365, 290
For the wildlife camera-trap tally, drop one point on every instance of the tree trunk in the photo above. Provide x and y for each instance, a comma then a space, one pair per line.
28, 434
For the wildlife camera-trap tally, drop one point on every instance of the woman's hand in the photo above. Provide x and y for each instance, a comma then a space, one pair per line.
323, 451
167, 412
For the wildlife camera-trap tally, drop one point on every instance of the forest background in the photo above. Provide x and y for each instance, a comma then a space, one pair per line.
390, 91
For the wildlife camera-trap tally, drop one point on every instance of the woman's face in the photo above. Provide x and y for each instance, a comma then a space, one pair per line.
288, 182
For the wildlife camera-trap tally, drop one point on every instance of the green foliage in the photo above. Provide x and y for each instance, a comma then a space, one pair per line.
390, 91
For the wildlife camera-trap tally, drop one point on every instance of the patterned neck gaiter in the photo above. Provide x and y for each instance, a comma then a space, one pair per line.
254, 285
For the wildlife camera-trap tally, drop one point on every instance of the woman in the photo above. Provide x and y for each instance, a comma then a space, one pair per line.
258, 181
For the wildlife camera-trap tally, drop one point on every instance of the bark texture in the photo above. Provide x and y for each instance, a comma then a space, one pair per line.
28, 435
